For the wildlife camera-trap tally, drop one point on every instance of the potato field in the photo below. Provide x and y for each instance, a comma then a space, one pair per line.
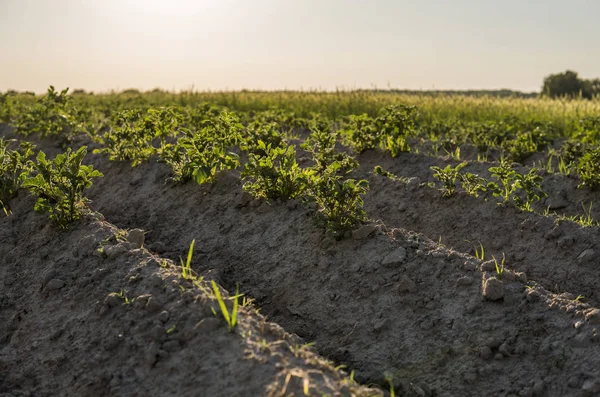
355, 243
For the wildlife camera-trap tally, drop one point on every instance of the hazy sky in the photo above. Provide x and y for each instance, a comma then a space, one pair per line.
101, 45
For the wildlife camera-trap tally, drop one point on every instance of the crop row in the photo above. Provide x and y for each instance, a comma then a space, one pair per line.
198, 142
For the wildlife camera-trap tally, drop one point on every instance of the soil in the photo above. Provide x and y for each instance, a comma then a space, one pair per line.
85, 312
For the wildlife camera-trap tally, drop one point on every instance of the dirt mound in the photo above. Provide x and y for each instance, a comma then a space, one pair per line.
86, 312
389, 303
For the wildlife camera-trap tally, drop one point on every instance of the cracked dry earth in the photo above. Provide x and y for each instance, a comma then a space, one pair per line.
388, 302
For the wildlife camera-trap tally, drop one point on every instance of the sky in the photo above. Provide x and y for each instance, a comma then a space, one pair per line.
103, 45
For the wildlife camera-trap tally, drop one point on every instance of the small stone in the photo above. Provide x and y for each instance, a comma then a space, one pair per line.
591, 387
158, 332
573, 382
153, 305
593, 316
171, 346
86, 246
159, 247
380, 324
470, 377
538, 388
553, 233
406, 285
55, 284
395, 258
505, 349
245, 199
150, 355
136, 237
485, 352
556, 202
523, 349
114, 251
326, 243
498, 356
566, 241
413, 183
488, 266
493, 289
493, 343
532, 295
112, 299
522, 277
163, 316
363, 232
465, 280
586, 256
48, 276
162, 354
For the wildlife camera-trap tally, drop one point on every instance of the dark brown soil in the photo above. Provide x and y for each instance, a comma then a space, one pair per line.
397, 303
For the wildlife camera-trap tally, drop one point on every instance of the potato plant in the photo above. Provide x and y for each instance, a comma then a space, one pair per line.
360, 133
274, 174
588, 169
395, 123
51, 115
15, 166
59, 185
132, 134
448, 176
339, 202
321, 145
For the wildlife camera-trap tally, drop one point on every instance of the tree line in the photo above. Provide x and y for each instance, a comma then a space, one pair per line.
570, 85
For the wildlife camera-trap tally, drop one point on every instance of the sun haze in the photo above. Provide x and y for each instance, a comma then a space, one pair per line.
308, 44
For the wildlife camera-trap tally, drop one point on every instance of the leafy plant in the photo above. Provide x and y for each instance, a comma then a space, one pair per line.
395, 123
59, 185
15, 167
473, 184
448, 176
339, 200
588, 169
132, 133
361, 133
514, 182
200, 156
51, 115
507, 176
276, 174
321, 145
531, 184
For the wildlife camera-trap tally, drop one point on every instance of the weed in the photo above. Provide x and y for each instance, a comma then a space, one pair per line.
480, 253
231, 319
186, 268
499, 266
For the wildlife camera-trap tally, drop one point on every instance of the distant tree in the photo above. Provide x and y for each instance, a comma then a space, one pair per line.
594, 87
567, 84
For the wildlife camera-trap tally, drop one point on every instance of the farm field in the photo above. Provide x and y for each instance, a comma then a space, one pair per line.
329, 244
